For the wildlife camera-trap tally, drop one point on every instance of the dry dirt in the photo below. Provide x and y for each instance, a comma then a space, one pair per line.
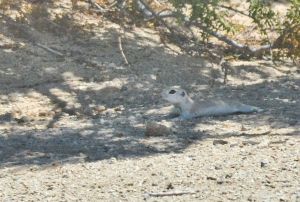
72, 127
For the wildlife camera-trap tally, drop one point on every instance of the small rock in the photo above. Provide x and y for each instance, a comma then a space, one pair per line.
220, 181
100, 108
6, 117
218, 167
293, 122
234, 145
145, 117
120, 134
43, 114
211, 178
118, 109
170, 186
51, 113
222, 142
130, 184
263, 163
23, 119
70, 110
155, 129
57, 111
124, 88
264, 144
249, 142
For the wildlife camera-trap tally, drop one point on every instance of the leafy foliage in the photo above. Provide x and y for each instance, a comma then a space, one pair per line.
214, 16
293, 14
263, 16
210, 17
205, 12
289, 40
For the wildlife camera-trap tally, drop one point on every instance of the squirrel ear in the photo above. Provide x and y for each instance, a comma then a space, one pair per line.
182, 94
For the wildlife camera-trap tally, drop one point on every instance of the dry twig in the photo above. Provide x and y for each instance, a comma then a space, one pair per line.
161, 194
121, 50
50, 50
224, 66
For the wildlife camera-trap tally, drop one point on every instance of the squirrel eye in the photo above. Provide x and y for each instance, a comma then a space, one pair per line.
172, 92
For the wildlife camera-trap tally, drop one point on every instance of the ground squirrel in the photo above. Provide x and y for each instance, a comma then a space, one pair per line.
212, 107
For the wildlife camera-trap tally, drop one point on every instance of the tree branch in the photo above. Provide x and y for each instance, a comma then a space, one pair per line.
244, 48
236, 45
150, 13
234, 10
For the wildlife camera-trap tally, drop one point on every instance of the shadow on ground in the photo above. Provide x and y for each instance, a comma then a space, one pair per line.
92, 73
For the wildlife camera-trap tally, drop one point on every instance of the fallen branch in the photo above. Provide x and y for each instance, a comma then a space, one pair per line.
121, 50
161, 194
50, 50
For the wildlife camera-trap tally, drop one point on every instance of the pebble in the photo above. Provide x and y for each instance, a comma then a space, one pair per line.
42, 114
249, 142
264, 144
211, 178
170, 186
6, 117
100, 108
218, 167
234, 145
264, 163
23, 119
222, 142
155, 129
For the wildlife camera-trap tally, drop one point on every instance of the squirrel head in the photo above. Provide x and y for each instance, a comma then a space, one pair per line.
174, 95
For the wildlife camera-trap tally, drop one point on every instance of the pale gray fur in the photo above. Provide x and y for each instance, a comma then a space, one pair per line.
211, 107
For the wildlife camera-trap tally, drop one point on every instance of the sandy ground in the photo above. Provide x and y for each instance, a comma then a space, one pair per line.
72, 127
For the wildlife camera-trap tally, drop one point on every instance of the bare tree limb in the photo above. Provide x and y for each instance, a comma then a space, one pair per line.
242, 48
149, 12
181, 31
236, 45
